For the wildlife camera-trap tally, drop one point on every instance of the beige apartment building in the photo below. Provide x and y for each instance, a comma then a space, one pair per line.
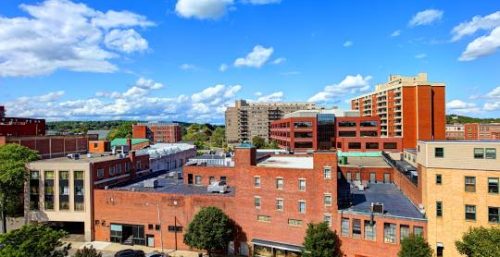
460, 189
246, 120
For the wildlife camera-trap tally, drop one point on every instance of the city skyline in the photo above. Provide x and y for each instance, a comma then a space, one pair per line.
187, 60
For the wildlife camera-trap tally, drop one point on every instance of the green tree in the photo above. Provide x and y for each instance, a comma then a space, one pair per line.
272, 145
321, 241
414, 246
218, 138
480, 242
258, 142
121, 131
13, 159
210, 230
87, 252
33, 240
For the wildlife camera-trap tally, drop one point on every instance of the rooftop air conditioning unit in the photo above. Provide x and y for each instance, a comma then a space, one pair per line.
377, 208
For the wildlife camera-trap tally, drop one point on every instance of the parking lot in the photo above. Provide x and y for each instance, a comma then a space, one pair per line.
109, 249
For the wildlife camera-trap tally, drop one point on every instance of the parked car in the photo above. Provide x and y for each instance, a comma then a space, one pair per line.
217, 187
130, 253
156, 254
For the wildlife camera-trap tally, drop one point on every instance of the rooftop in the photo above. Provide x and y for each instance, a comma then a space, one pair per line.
84, 158
305, 162
365, 161
170, 185
163, 149
395, 203
123, 141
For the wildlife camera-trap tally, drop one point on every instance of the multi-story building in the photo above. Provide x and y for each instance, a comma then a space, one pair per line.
59, 190
482, 131
158, 132
52, 146
310, 130
247, 120
271, 199
18, 127
460, 189
409, 107
455, 131
164, 157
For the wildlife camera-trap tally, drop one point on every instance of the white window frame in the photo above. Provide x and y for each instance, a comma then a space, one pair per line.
305, 206
255, 178
327, 175
305, 185
325, 195
330, 221
282, 204
255, 202
282, 183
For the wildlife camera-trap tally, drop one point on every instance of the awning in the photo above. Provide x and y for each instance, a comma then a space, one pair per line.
277, 245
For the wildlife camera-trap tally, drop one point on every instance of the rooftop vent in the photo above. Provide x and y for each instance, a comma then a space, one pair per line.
152, 183
377, 208
74, 156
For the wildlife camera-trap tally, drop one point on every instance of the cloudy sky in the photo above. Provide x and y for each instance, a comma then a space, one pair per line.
188, 59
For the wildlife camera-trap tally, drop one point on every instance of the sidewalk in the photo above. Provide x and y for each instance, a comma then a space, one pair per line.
109, 249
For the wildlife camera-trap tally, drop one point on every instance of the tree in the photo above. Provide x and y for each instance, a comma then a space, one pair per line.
272, 145
321, 241
218, 138
121, 131
33, 240
258, 142
480, 242
210, 230
13, 159
87, 252
414, 246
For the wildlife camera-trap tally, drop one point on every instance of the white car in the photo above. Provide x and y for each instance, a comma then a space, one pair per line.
217, 187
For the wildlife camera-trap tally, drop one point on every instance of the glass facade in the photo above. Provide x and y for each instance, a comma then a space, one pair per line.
79, 194
34, 190
326, 133
49, 190
63, 190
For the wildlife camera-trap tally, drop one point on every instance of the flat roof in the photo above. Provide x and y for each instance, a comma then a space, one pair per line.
305, 162
396, 204
170, 185
366, 161
84, 158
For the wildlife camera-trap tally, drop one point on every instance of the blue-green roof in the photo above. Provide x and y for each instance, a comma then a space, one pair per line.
123, 141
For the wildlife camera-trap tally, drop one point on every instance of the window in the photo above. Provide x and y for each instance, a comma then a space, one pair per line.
368, 133
49, 190
327, 199
157, 227
389, 233
438, 152
305, 124
302, 206
439, 249
328, 219
257, 202
79, 196
390, 146
470, 184
439, 179
303, 145
370, 230
493, 185
211, 179
256, 181
347, 133
63, 190
354, 145
34, 190
302, 184
294, 222
356, 228
347, 124
371, 145
491, 153
478, 153
327, 172
118, 168
279, 204
100, 173
493, 214
404, 232
345, 227
112, 170
368, 124
439, 209
197, 180
418, 231
263, 218
279, 183
150, 226
470, 212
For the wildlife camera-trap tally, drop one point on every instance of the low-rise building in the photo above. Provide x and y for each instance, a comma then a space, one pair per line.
130, 144
460, 189
482, 131
158, 132
165, 157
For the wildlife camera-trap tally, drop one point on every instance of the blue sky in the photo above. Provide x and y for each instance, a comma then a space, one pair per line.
189, 59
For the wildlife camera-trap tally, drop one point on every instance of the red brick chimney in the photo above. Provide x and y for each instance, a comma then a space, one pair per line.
133, 163
129, 144
245, 155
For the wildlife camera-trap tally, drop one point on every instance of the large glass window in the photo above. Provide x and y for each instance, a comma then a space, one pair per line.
49, 190
491, 153
470, 212
478, 153
303, 135
404, 232
370, 230
493, 213
493, 185
389, 233
390, 146
347, 133
439, 152
368, 133
356, 228
347, 124
79, 195
63, 190
305, 124
470, 184
372, 145
294, 222
345, 227
354, 145
303, 145
418, 231
368, 124
34, 190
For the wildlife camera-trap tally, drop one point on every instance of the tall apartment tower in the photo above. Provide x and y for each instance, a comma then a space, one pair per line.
246, 120
409, 107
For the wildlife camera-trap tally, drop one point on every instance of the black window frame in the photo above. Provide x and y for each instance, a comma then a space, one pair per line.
438, 152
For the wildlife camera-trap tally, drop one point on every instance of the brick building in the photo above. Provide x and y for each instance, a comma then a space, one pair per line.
310, 130
17, 127
482, 131
130, 144
455, 131
409, 107
59, 190
271, 199
158, 132
99, 146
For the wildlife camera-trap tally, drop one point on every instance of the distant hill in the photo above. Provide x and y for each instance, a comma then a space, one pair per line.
452, 118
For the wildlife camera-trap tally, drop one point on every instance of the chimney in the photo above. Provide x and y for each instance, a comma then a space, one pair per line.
133, 163
129, 144
245, 155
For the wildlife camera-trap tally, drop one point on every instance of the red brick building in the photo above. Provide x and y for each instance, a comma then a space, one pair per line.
271, 199
158, 132
99, 146
18, 127
481, 131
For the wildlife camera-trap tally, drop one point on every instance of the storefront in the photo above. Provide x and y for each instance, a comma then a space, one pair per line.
266, 248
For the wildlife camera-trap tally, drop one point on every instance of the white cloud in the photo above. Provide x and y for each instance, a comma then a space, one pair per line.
258, 57
148, 84
467, 28
482, 46
494, 106
426, 17
187, 66
396, 33
273, 97
262, 2
223, 67
60, 34
202, 9
460, 106
349, 85
279, 60
421, 56
495, 93
347, 44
